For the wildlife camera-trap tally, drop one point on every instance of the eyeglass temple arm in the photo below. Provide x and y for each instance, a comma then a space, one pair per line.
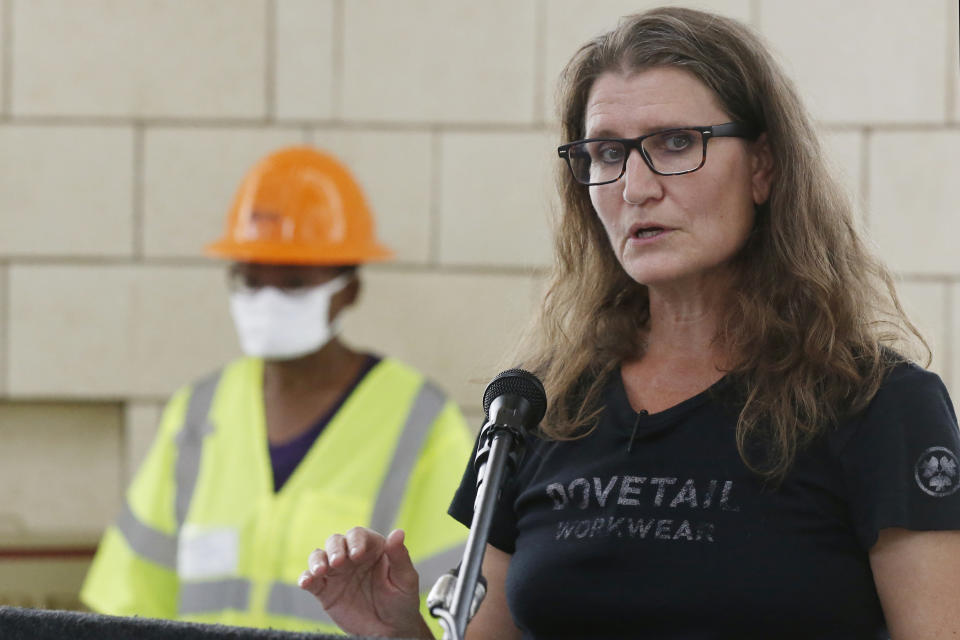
732, 130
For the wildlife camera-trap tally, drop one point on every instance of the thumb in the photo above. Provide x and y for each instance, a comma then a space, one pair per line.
401, 571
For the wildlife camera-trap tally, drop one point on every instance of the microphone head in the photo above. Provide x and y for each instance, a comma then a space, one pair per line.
520, 383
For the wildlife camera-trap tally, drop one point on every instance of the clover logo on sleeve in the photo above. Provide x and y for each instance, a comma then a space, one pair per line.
936, 472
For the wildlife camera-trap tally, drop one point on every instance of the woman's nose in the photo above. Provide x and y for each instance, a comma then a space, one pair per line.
640, 183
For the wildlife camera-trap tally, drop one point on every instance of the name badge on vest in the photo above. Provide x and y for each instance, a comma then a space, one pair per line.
207, 552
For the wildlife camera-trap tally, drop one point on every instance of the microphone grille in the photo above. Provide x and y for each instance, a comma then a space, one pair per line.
517, 382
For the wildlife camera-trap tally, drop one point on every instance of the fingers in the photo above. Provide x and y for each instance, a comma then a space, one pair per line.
394, 544
312, 583
336, 548
317, 562
314, 578
401, 571
358, 549
363, 544
366, 583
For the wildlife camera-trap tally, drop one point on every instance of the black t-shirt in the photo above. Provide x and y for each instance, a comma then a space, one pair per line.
676, 538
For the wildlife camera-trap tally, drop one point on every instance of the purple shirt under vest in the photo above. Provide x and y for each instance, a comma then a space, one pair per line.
285, 457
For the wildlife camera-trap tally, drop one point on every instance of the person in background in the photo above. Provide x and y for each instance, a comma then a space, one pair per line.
737, 444
303, 434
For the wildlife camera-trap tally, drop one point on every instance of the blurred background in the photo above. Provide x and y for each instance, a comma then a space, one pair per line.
126, 125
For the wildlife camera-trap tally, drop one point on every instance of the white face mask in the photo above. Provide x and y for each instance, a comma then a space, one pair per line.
276, 325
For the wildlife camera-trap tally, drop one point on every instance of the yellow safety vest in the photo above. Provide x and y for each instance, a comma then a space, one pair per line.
204, 537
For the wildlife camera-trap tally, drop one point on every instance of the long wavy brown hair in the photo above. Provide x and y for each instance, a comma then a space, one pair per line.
813, 320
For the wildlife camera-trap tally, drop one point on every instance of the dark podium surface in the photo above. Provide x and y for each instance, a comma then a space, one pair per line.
39, 624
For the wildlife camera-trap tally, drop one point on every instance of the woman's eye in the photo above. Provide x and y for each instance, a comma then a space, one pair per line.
677, 142
610, 153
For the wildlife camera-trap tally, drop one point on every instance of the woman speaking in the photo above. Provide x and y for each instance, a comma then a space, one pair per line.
738, 443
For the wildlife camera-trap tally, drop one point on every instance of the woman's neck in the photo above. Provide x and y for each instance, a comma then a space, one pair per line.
684, 321
680, 356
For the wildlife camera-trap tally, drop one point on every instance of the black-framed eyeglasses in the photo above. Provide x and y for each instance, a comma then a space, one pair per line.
670, 152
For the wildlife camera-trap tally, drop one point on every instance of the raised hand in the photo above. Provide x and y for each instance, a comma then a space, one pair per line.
367, 584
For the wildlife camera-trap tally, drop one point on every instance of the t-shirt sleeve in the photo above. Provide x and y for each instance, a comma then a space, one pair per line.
901, 464
503, 527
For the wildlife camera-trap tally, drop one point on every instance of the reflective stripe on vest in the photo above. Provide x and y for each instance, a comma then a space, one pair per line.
426, 407
146, 541
290, 600
215, 595
200, 597
196, 425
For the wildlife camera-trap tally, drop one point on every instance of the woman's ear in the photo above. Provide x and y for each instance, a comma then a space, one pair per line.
761, 176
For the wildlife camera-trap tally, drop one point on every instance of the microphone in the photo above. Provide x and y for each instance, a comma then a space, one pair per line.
515, 398
513, 402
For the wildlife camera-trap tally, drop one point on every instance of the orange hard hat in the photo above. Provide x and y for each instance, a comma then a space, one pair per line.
300, 206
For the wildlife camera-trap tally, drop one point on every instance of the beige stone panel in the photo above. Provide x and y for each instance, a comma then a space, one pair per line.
395, 170
191, 176
498, 194
953, 66
153, 59
66, 191
140, 423
915, 200
869, 62
4, 314
571, 23
59, 468
4, 68
304, 54
182, 327
456, 328
115, 331
925, 303
844, 154
429, 61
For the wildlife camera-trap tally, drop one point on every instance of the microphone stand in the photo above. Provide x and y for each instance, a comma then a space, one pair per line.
502, 439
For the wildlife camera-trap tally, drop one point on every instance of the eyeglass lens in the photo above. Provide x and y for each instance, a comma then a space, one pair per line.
676, 151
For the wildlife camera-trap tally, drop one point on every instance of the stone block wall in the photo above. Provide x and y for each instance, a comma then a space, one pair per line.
126, 126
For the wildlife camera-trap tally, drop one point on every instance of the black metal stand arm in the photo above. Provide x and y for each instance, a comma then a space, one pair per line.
513, 402
501, 450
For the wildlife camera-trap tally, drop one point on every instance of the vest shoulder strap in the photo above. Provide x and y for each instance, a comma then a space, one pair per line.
426, 406
196, 425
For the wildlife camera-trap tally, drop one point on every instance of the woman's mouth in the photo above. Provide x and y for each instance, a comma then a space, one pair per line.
648, 232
